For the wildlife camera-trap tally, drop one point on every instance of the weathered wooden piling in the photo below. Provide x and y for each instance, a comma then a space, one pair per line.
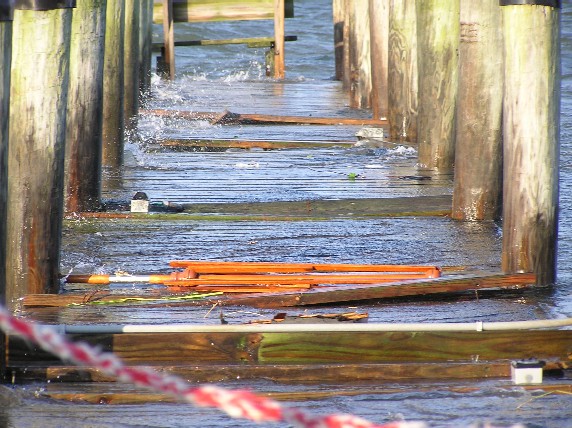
531, 138
359, 54
168, 50
38, 101
145, 45
279, 18
85, 107
6, 15
131, 62
339, 17
478, 154
402, 71
379, 51
114, 84
348, 17
437, 45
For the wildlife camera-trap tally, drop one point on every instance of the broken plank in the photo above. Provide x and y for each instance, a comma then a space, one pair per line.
329, 295
229, 118
208, 143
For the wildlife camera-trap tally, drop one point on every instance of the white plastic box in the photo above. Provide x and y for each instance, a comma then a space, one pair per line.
526, 372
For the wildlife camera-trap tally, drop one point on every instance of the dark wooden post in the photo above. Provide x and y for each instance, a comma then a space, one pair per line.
531, 137
85, 107
339, 17
145, 45
379, 39
114, 84
478, 154
437, 45
38, 101
348, 11
6, 15
360, 58
131, 50
402, 71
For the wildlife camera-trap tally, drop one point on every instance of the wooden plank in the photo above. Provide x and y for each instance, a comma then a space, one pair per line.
137, 397
189, 144
229, 118
222, 10
333, 347
288, 373
258, 42
357, 293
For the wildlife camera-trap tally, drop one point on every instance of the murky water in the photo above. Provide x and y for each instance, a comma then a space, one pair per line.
252, 176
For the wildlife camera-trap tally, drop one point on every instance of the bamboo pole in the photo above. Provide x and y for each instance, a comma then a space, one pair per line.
113, 85
339, 16
402, 71
39, 87
85, 107
131, 63
437, 45
6, 16
531, 124
168, 52
359, 55
478, 155
279, 39
379, 35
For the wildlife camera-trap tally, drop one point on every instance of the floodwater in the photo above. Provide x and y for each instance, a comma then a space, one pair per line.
215, 79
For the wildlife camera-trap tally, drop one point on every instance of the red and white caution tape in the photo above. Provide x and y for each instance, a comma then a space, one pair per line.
238, 404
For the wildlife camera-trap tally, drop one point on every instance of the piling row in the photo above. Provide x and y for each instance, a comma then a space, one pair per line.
475, 85
434, 68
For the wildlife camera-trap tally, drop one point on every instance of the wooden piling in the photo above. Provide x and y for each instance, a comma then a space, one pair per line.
279, 18
131, 63
437, 45
113, 85
478, 154
39, 86
85, 107
168, 51
339, 17
379, 46
359, 54
6, 15
402, 71
531, 137
348, 17
145, 45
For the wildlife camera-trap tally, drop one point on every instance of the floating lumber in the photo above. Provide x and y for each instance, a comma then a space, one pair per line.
428, 287
229, 118
357, 293
192, 143
221, 10
56, 392
251, 42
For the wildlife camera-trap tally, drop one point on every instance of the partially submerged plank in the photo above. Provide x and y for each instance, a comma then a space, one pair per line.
329, 295
210, 143
229, 118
